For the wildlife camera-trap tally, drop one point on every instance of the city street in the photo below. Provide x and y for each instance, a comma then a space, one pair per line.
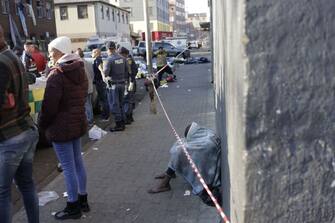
121, 166
259, 73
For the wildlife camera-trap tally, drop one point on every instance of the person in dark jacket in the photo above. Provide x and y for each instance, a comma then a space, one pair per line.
64, 121
27, 59
100, 85
18, 136
116, 70
129, 98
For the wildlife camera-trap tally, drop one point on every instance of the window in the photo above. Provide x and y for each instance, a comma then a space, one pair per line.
127, 19
113, 15
167, 46
108, 15
118, 15
63, 13
40, 9
102, 12
82, 11
5, 6
122, 18
48, 10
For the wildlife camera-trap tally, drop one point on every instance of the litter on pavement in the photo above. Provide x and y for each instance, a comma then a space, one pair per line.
96, 133
45, 197
187, 193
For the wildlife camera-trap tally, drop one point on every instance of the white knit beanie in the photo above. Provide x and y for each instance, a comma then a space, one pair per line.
62, 43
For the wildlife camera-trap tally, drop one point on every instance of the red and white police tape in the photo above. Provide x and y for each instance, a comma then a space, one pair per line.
189, 158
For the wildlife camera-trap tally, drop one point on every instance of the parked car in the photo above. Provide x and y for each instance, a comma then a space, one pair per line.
141, 50
135, 51
179, 42
171, 50
98, 43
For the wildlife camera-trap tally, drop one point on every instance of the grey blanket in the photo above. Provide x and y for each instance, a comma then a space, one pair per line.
204, 148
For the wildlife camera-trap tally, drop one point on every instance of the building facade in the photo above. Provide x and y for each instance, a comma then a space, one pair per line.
158, 12
177, 17
197, 18
82, 19
28, 20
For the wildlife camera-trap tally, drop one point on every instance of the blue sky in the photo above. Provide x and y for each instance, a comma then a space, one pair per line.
195, 6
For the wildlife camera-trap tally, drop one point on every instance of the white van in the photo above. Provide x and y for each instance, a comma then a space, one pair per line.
179, 42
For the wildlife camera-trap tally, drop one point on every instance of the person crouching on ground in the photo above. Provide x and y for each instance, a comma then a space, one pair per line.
162, 65
64, 121
205, 148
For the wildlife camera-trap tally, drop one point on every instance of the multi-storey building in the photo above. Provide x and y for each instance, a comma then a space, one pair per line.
28, 20
193, 26
158, 12
197, 18
177, 16
82, 19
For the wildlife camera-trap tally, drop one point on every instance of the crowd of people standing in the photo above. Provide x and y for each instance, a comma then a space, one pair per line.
65, 116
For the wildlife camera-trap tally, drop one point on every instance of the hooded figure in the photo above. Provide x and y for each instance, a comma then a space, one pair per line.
63, 120
204, 147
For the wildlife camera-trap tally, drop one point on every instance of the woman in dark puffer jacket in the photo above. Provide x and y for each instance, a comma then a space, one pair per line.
64, 121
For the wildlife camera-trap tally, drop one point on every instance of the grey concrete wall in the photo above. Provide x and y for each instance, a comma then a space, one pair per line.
229, 73
275, 96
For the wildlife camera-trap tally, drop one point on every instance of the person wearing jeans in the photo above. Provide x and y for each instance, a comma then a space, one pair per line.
69, 155
90, 76
89, 109
64, 121
18, 136
16, 162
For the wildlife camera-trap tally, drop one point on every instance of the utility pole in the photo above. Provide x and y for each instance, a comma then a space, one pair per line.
148, 46
147, 36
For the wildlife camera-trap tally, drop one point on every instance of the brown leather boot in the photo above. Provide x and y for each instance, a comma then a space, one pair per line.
163, 185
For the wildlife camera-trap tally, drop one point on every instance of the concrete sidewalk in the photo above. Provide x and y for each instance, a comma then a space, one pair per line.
122, 165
